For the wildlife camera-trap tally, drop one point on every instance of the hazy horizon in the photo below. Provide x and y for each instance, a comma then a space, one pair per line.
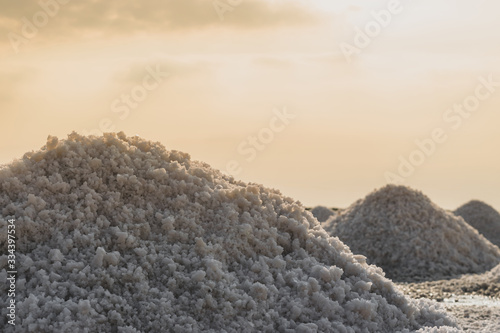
324, 101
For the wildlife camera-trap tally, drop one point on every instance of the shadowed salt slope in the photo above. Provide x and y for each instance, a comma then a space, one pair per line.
403, 232
483, 217
322, 213
115, 232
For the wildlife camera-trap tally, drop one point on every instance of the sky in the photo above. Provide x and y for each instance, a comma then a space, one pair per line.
324, 100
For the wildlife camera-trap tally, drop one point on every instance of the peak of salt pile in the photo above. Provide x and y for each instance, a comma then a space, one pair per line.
322, 213
403, 232
483, 217
118, 234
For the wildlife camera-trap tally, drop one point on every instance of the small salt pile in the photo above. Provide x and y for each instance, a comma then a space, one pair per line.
483, 217
492, 276
322, 213
117, 234
403, 232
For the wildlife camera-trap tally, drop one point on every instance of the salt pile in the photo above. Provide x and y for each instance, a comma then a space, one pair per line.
483, 217
403, 232
118, 234
493, 276
322, 213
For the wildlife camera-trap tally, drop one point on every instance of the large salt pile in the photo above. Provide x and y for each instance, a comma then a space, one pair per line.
483, 217
322, 213
117, 234
402, 231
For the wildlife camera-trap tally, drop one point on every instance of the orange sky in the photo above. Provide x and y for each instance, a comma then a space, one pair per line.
324, 100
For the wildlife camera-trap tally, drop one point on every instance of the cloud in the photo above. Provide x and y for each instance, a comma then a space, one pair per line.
190, 65
174, 66
91, 18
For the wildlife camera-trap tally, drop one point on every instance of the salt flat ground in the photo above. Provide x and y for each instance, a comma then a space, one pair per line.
472, 305
475, 313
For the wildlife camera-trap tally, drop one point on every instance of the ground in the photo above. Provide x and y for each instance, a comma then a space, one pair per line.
476, 306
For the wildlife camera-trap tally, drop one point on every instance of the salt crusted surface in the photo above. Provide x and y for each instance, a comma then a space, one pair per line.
118, 234
322, 213
402, 231
483, 217
476, 318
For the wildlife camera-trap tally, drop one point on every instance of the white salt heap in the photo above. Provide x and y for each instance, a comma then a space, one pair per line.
483, 217
404, 233
322, 213
118, 234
